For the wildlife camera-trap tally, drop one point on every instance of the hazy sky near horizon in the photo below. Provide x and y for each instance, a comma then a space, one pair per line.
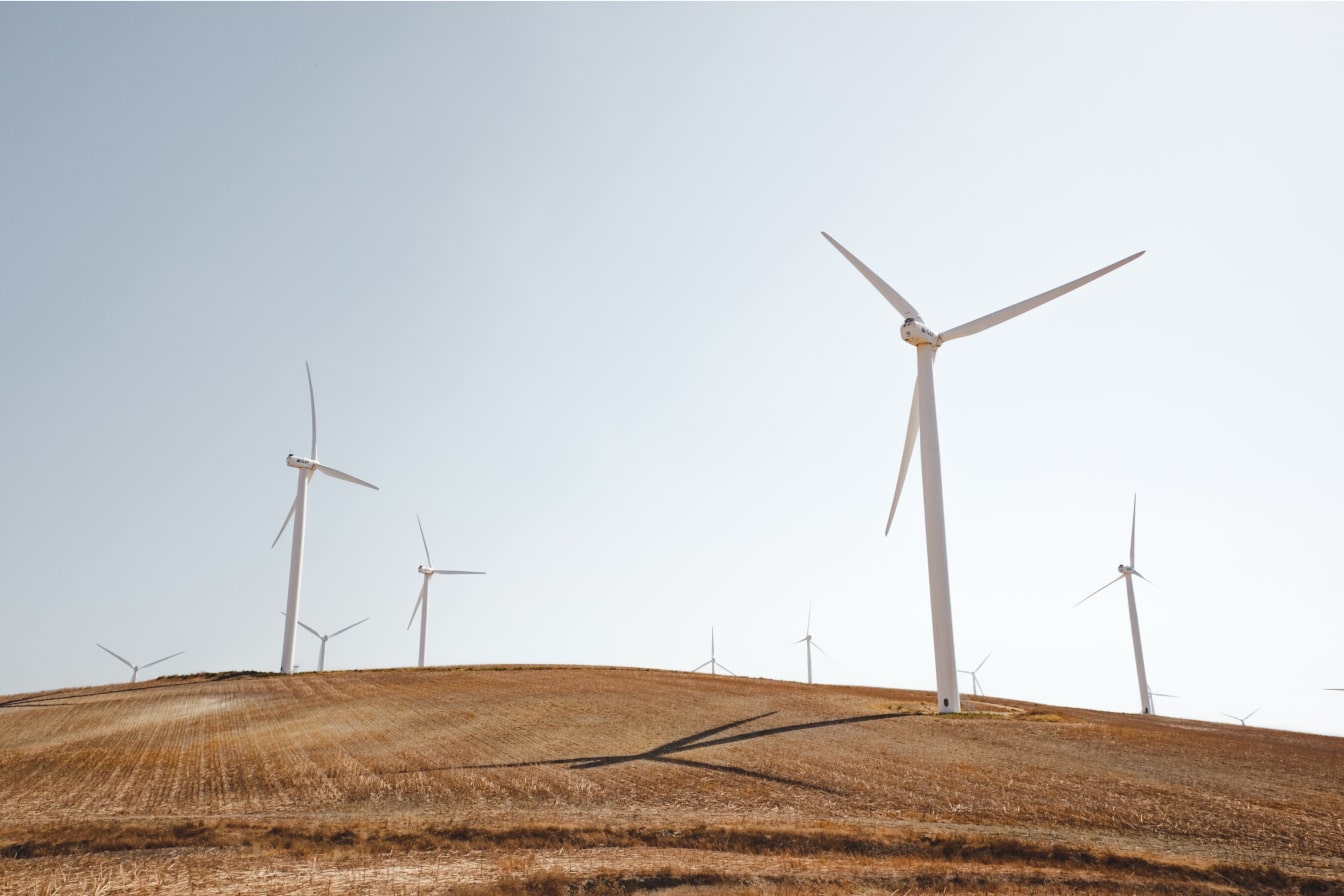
559, 274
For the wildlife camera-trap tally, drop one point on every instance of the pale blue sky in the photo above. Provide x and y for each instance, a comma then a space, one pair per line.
558, 272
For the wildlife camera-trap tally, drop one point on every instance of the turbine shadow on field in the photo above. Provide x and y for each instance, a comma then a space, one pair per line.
703, 739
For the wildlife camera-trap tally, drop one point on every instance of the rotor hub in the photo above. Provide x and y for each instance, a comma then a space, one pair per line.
915, 332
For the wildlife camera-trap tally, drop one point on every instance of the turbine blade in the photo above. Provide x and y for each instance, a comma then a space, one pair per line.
456, 572
348, 627
1249, 714
312, 405
1012, 311
726, 669
119, 656
289, 516
911, 431
424, 591
896, 299
702, 665
1145, 578
1133, 525
809, 619
823, 652
331, 471
311, 629
428, 562
156, 662
983, 661
1099, 590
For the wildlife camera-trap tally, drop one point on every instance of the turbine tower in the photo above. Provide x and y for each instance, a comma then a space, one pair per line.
322, 652
1127, 573
713, 662
306, 467
135, 670
924, 423
806, 639
422, 602
1152, 704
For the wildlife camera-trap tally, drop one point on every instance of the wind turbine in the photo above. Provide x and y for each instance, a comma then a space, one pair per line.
422, 602
322, 652
1242, 719
1152, 704
1127, 573
135, 670
713, 662
306, 467
975, 679
924, 418
806, 639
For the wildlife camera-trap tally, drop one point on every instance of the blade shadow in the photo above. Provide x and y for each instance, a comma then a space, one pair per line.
667, 753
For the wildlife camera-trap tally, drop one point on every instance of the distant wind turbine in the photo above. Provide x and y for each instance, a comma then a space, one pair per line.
306, 467
135, 670
924, 422
322, 652
713, 662
806, 639
1242, 719
975, 679
1127, 573
422, 602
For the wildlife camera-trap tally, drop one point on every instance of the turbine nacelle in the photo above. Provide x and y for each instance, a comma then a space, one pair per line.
916, 332
426, 570
301, 463
1125, 570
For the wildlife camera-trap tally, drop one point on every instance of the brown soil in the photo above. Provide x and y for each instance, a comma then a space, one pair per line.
553, 780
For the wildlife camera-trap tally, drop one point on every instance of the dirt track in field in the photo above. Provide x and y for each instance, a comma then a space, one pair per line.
553, 780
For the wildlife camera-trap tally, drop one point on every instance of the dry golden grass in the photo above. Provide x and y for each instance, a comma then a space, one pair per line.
534, 780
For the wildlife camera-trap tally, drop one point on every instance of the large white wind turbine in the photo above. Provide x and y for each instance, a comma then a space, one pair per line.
322, 652
135, 670
924, 423
806, 639
713, 661
306, 467
1127, 573
422, 602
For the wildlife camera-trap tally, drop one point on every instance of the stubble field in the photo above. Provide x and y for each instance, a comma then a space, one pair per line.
610, 781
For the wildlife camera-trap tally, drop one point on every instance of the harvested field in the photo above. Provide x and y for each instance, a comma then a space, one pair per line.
587, 780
